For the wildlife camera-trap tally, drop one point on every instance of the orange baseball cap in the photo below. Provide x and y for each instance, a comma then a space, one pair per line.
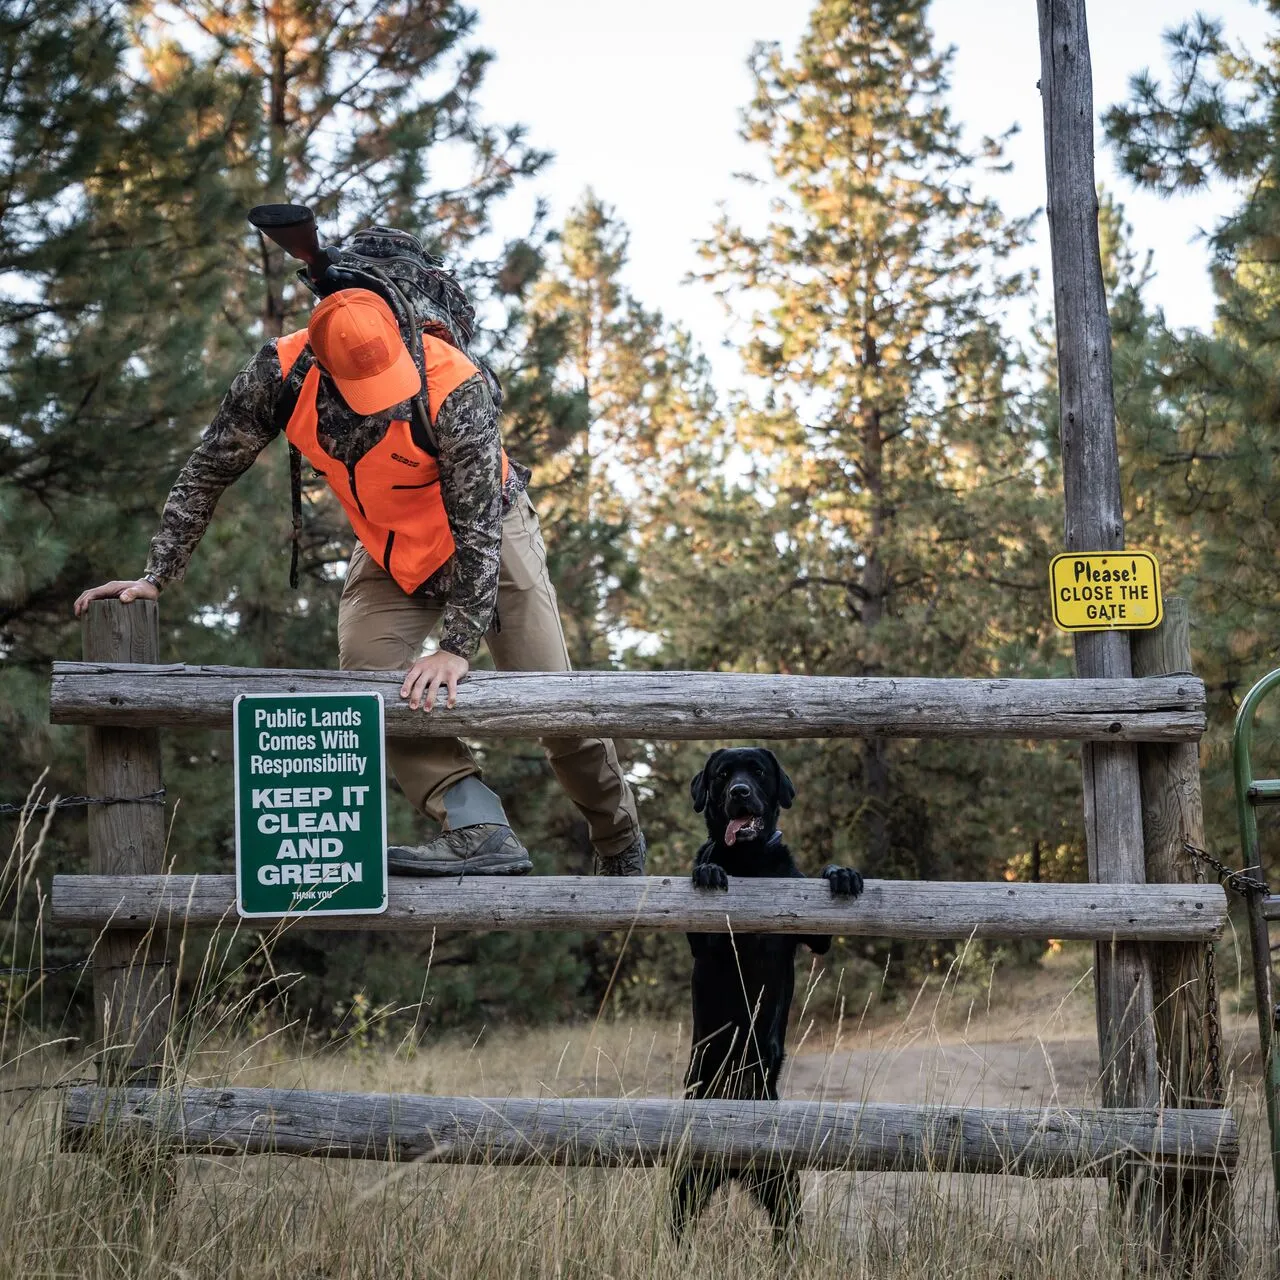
356, 340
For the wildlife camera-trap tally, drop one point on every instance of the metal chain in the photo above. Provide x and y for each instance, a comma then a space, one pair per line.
77, 802
1244, 885
1217, 1089
1237, 880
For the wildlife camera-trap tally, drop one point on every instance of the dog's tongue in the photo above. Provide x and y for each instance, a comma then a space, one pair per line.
735, 825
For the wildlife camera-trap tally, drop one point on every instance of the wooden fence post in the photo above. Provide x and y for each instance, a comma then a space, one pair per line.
1095, 522
132, 987
1197, 1208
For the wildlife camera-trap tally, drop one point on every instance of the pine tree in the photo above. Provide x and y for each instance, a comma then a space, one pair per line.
362, 108
353, 100
903, 459
607, 391
1203, 450
355, 103
638, 385
111, 218
580, 298
133, 290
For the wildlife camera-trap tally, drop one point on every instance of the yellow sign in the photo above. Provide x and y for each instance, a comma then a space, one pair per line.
1106, 591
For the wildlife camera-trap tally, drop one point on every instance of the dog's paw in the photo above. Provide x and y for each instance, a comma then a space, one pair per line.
845, 882
710, 875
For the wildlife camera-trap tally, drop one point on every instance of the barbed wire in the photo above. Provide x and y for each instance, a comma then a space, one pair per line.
46, 1088
14, 972
77, 802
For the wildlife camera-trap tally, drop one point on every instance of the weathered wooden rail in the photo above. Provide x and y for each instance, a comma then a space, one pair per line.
644, 1131
661, 704
886, 909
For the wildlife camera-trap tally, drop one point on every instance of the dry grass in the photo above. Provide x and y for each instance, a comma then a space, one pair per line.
964, 1040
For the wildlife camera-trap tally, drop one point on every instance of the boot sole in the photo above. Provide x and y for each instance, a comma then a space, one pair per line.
485, 864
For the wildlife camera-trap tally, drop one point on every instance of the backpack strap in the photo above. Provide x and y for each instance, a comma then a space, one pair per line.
295, 512
288, 349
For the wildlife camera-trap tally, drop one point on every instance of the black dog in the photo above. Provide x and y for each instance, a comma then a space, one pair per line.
743, 984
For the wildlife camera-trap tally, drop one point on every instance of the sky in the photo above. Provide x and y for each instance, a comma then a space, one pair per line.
642, 103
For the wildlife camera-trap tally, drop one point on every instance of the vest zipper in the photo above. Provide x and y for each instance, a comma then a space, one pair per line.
386, 554
351, 476
427, 485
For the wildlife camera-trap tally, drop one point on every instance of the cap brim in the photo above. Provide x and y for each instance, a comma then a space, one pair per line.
379, 393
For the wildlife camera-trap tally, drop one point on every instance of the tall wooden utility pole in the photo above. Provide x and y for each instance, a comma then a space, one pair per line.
1094, 522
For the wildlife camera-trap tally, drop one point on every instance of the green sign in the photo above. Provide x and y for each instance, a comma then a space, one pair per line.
311, 814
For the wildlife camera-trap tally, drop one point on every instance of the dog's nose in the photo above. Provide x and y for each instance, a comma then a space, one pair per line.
740, 790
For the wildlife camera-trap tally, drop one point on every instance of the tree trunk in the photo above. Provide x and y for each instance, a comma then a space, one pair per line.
874, 606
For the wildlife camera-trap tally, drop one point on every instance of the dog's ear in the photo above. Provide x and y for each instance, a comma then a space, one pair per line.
700, 786
786, 788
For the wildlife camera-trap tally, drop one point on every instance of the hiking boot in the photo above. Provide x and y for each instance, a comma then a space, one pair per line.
485, 850
629, 862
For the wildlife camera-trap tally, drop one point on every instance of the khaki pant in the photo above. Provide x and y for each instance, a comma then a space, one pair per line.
380, 628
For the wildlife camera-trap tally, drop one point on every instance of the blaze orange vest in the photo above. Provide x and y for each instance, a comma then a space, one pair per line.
392, 494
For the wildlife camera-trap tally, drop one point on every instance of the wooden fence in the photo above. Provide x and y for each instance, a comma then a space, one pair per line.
1184, 1139
1163, 1135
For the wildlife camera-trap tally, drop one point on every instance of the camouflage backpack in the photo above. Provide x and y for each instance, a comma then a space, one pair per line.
444, 310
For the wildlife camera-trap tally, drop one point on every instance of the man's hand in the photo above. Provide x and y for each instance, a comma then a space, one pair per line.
440, 668
138, 589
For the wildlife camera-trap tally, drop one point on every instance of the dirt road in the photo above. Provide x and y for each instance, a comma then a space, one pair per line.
999, 1073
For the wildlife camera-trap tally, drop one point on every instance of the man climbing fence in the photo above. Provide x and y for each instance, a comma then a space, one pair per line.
382, 397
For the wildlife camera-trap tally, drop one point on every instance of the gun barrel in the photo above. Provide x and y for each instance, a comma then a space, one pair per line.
292, 227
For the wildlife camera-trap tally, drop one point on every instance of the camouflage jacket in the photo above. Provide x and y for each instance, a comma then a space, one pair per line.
470, 462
